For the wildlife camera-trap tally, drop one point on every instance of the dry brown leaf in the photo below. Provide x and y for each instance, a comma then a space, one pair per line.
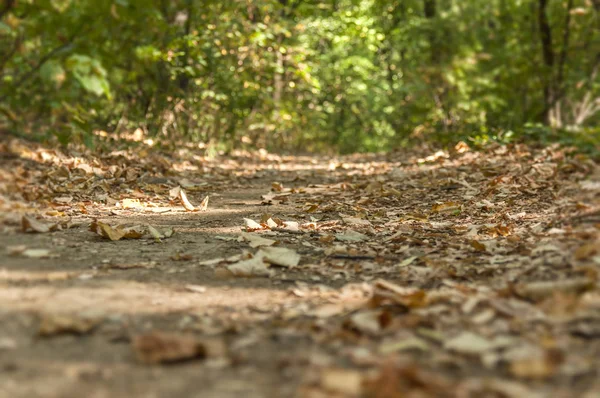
185, 202
478, 246
37, 253
342, 381
55, 324
182, 257
469, 343
133, 232
15, 250
106, 231
277, 186
445, 207
117, 233
154, 232
540, 290
255, 240
174, 192
30, 224
407, 344
538, 366
252, 225
279, 256
356, 221
248, 268
162, 347
195, 288
587, 250
367, 322
327, 239
63, 200
131, 204
387, 291
351, 236
204, 204
312, 208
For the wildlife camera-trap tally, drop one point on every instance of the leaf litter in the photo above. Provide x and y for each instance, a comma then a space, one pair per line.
457, 273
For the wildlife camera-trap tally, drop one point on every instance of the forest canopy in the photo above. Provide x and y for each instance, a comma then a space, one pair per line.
301, 74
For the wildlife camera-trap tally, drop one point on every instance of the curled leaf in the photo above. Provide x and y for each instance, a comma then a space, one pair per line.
185, 202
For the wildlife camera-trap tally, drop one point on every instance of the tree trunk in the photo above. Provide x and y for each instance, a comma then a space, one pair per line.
548, 57
430, 10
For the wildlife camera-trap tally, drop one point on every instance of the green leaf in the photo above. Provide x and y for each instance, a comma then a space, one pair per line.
4, 28
52, 72
60, 5
90, 74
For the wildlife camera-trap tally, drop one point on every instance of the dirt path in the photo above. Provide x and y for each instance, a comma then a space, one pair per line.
459, 275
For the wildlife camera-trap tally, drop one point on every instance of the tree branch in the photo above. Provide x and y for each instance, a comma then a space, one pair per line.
545, 33
563, 54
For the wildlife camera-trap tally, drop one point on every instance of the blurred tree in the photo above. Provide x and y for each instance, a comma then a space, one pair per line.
310, 74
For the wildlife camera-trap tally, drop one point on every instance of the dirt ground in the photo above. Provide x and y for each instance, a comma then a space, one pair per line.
426, 274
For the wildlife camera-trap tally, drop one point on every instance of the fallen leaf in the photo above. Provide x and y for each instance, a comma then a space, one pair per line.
37, 253
162, 347
356, 221
195, 288
204, 204
63, 200
15, 250
342, 381
154, 232
277, 186
6, 343
469, 343
406, 261
185, 202
539, 290
131, 204
407, 297
407, 344
56, 324
211, 262
248, 268
537, 366
174, 192
255, 240
367, 322
252, 225
587, 250
351, 236
31, 224
106, 231
480, 247
182, 257
118, 232
279, 256
445, 207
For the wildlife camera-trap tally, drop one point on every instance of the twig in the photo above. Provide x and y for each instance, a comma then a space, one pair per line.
289, 231
354, 257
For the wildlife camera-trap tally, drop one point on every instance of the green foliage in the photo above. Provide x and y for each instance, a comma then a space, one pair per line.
311, 75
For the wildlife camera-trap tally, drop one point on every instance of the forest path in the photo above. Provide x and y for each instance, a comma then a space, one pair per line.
458, 274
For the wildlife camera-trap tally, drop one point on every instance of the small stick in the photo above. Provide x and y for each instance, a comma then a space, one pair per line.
289, 231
